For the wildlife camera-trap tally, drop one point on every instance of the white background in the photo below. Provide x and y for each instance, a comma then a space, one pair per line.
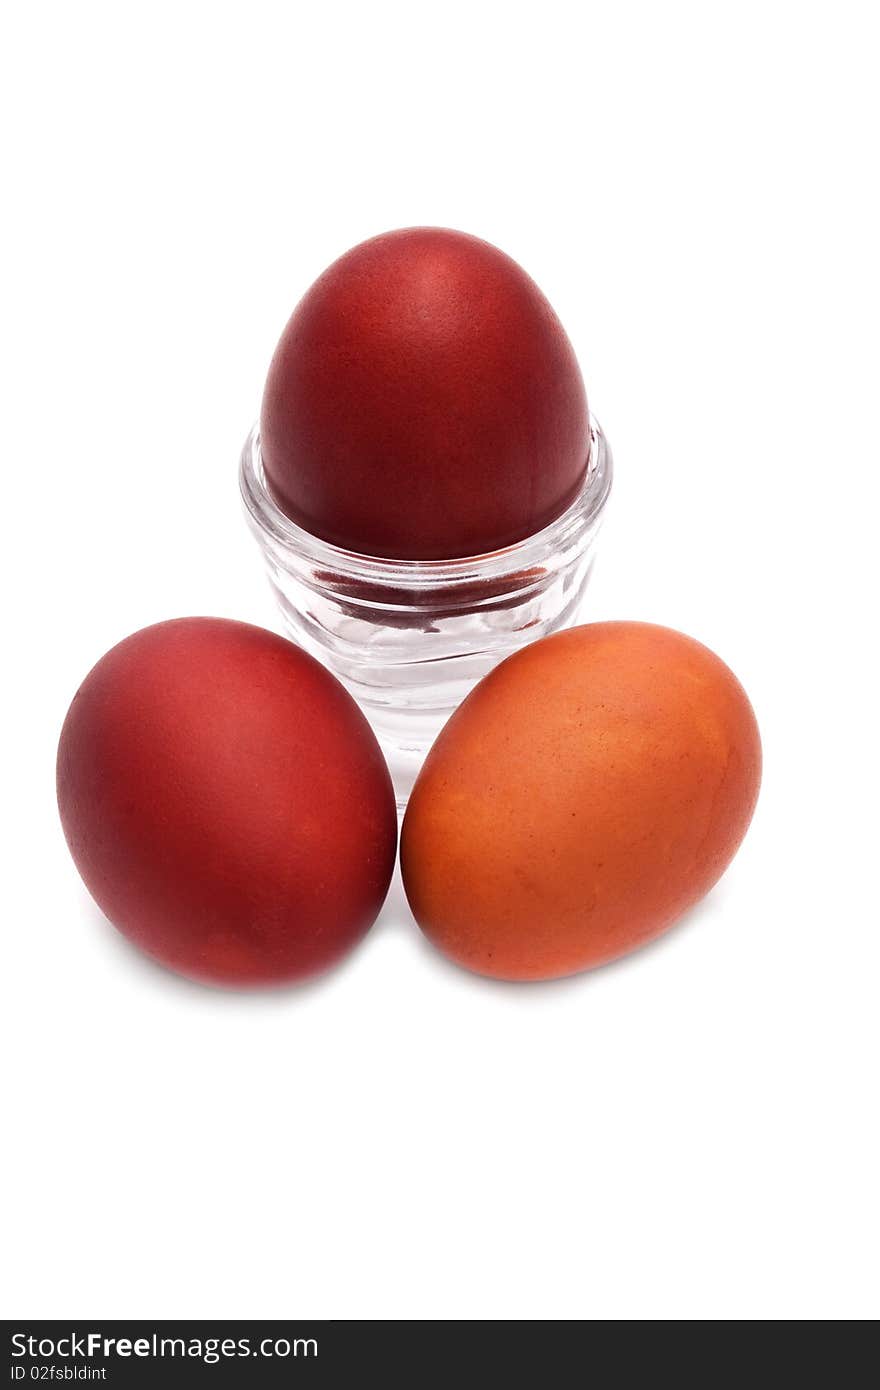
689, 1133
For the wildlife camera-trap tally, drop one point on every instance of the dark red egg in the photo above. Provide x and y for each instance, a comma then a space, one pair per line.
424, 402
226, 802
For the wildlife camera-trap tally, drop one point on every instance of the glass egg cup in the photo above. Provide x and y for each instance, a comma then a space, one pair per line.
410, 638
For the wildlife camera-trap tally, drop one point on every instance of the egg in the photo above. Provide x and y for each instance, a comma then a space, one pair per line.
424, 402
226, 803
590, 790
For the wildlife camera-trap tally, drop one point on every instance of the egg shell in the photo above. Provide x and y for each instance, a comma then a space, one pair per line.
226, 802
590, 790
424, 402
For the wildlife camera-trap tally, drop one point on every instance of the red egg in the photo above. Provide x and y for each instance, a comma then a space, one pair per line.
424, 402
226, 802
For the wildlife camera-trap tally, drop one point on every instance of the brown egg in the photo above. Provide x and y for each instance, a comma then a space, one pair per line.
589, 791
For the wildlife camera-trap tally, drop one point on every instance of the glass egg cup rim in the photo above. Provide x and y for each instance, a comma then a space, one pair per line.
571, 529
